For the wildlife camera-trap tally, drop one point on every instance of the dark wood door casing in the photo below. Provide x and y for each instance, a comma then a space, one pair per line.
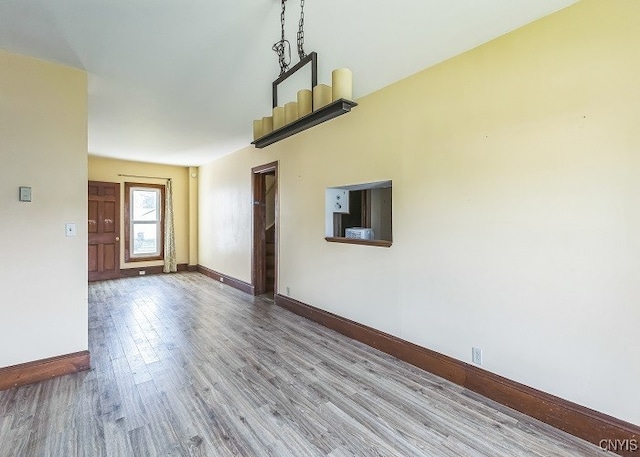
103, 226
259, 251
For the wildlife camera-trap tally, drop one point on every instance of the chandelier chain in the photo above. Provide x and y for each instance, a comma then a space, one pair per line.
301, 52
283, 45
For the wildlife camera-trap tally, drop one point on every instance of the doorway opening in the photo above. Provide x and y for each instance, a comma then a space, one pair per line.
264, 265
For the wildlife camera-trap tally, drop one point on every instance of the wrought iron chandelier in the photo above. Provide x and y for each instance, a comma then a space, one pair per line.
312, 106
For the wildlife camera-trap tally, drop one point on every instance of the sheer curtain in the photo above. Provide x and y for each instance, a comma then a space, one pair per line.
170, 263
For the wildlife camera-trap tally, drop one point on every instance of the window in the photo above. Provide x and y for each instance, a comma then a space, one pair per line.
359, 214
144, 222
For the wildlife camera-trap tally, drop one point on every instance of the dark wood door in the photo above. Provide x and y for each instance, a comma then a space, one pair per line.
104, 230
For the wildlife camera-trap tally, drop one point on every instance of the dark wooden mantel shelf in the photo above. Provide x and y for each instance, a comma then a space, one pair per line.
330, 111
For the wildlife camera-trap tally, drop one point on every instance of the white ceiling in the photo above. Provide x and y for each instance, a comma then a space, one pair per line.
180, 81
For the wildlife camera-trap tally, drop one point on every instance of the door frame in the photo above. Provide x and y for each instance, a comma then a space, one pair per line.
259, 244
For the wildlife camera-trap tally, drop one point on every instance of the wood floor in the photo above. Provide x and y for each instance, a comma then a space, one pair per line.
183, 365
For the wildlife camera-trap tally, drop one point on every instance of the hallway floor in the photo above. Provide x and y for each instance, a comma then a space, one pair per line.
183, 365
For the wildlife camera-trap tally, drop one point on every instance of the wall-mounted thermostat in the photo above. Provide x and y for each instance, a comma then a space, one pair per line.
25, 194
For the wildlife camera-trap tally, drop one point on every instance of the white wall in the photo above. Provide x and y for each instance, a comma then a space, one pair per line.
43, 144
516, 207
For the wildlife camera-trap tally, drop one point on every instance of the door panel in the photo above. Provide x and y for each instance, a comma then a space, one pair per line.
93, 216
93, 258
109, 216
109, 256
104, 230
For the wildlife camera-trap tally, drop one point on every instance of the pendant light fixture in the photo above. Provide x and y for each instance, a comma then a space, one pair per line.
313, 106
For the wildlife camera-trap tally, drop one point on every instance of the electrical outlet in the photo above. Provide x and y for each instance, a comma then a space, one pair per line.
221, 279
142, 272
288, 291
476, 356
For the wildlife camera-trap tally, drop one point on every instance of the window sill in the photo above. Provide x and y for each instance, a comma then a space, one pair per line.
142, 259
379, 243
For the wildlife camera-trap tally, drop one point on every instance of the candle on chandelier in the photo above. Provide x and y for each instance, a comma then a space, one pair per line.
278, 117
305, 101
342, 81
257, 129
321, 96
267, 124
290, 112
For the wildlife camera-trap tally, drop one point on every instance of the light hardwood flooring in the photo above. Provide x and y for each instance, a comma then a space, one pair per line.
183, 365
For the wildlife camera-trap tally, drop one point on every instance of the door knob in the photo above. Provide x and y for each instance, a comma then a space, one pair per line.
117, 238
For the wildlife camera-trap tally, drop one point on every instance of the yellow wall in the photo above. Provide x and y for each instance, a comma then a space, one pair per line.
516, 212
104, 169
43, 144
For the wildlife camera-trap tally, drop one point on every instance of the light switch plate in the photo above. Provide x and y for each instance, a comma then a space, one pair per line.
70, 229
25, 194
